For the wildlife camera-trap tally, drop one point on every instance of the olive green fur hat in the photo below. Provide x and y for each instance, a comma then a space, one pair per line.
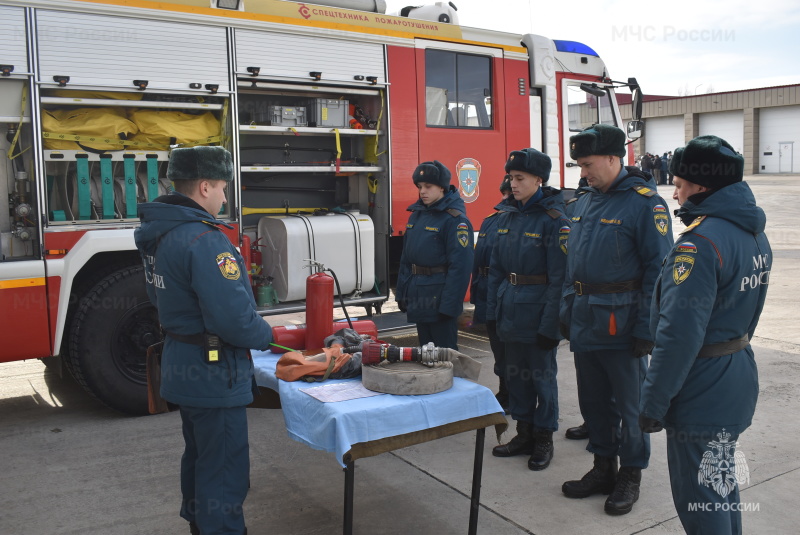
433, 173
191, 163
530, 161
600, 139
708, 161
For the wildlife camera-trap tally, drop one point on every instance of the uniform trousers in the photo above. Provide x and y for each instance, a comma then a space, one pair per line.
443, 333
498, 350
713, 507
609, 390
215, 468
531, 383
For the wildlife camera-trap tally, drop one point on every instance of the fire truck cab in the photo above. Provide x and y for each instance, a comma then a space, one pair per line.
326, 110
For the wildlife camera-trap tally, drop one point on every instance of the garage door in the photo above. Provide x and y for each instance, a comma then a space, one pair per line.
663, 134
13, 48
100, 50
729, 125
779, 140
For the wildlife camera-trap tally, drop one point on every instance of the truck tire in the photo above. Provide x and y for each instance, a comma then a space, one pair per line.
111, 330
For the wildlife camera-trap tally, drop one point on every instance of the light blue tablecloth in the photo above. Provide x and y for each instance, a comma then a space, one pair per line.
335, 427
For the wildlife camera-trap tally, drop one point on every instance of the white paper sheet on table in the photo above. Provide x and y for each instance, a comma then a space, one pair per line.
331, 393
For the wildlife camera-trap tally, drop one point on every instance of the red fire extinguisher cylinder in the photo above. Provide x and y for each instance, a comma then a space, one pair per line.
319, 309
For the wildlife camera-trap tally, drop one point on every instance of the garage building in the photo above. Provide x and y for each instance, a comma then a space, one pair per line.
762, 124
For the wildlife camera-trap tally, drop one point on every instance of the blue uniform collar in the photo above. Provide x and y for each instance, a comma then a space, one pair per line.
536, 197
735, 203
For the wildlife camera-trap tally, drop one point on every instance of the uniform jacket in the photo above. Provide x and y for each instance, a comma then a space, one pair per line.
620, 235
711, 289
487, 235
530, 241
196, 279
436, 235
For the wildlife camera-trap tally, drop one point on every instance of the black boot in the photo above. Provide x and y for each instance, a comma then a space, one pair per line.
522, 444
542, 451
502, 395
626, 491
599, 480
580, 432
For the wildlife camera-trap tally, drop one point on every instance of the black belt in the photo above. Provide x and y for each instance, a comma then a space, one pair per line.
516, 279
724, 348
483, 271
581, 288
194, 339
427, 270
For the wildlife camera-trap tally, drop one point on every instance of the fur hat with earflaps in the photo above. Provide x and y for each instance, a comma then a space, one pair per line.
190, 163
708, 161
530, 161
433, 173
600, 139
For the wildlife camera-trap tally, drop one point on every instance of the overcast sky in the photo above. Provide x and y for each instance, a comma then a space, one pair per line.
677, 47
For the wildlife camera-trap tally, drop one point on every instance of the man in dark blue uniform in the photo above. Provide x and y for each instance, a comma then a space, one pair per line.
437, 258
702, 384
621, 233
206, 306
487, 235
525, 279
579, 432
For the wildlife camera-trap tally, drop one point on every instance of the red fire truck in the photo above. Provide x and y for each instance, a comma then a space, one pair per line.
327, 111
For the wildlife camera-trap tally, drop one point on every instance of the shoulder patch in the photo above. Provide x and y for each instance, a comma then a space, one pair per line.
662, 222
644, 190
694, 224
228, 266
453, 212
563, 238
686, 247
682, 268
462, 234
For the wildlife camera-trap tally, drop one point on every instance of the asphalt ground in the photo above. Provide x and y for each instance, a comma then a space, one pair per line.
71, 466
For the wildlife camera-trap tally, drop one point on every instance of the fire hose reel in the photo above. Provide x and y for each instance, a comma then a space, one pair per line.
413, 371
407, 378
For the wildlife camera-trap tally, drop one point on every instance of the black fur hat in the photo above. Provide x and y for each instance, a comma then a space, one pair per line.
190, 163
600, 139
505, 185
708, 161
433, 173
530, 161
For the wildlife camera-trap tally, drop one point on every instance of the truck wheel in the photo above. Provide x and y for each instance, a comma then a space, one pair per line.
113, 326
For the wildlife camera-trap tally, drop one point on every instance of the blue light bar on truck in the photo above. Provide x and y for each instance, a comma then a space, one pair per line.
575, 47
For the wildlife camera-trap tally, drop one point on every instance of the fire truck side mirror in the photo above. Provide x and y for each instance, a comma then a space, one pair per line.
635, 129
636, 99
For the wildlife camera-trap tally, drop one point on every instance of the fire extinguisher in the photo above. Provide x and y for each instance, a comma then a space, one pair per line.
256, 258
319, 309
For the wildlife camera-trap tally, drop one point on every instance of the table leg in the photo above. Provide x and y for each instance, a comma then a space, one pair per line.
349, 478
477, 473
